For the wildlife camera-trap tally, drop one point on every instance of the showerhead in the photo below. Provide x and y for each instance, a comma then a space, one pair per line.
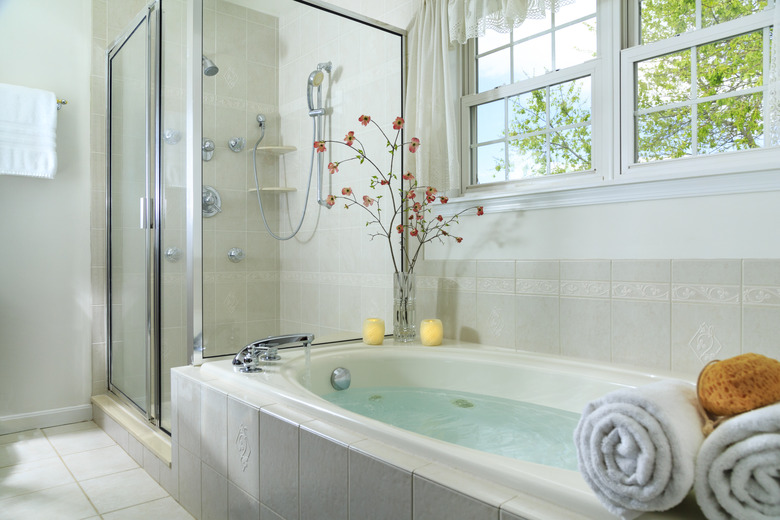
209, 67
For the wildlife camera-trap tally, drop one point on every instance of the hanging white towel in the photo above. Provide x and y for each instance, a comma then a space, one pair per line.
636, 447
28, 130
738, 467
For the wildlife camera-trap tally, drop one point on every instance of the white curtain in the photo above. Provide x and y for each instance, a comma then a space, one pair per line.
433, 98
773, 85
470, 18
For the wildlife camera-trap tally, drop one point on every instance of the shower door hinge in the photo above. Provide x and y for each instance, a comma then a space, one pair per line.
147, 204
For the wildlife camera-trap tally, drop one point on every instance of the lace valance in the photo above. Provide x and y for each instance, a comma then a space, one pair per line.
471, 18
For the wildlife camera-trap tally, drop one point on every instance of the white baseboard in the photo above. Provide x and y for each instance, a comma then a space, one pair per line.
45, 418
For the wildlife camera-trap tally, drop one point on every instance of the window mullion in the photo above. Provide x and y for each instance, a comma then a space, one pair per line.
698, 14
695, 97
506, 138
767, 45
548, 126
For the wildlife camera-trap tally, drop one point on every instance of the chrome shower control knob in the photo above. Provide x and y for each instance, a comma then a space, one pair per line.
236, 254
173, 254
207, 149
237, 144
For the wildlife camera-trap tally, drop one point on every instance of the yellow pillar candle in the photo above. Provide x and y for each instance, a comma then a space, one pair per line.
431, 332
373, 331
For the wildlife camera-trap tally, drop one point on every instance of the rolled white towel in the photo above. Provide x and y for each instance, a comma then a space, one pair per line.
738, 467
636, 447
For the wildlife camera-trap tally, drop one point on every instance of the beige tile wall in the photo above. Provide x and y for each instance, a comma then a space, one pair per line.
240, 300
654, 314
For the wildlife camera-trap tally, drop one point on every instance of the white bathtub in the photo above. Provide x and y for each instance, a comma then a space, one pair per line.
538, 379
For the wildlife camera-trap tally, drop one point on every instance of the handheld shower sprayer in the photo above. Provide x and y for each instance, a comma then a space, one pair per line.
315, 81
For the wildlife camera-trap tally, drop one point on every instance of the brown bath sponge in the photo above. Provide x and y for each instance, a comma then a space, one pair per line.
739, 384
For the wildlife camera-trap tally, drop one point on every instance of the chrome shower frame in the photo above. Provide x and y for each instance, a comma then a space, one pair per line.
149, 18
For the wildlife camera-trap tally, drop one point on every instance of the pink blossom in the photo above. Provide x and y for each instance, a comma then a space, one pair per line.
430, 198
350, 138
320, 146
330, 200
480, 211
413, 232
439, 218
384, 181
408, 176
333, 167
417, 207
399, 228
367, 201
364, 120
414, 145
398, 123
444, 200
346, 191
420, 216
411, 195
430, 191
459, 239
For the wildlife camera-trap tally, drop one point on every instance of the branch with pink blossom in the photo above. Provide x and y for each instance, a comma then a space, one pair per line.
415, 218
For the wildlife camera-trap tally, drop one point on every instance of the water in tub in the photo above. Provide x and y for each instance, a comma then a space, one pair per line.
505, 427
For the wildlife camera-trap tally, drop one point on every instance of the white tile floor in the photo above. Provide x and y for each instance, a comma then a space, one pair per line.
76, 471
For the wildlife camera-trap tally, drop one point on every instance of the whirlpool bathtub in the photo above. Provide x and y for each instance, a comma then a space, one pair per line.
523, 408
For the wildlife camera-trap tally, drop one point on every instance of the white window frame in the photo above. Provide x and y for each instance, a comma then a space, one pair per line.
614, 178
699, 166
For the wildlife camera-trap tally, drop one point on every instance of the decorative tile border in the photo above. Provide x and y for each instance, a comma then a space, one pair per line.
262, 276
496, 285
433, 283
706, 294
585, 289
540, 287
761, 295
640, 291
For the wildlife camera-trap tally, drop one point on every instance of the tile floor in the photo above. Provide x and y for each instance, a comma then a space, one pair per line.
77, 471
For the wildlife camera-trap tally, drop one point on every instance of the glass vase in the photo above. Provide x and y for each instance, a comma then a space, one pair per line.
404, 307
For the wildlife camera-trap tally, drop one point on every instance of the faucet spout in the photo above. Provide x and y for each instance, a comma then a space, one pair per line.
267, 349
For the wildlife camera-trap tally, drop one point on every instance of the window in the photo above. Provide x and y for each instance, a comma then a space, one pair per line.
530, 115
562, 102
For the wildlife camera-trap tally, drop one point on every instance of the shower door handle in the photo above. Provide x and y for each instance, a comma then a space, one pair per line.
146, 204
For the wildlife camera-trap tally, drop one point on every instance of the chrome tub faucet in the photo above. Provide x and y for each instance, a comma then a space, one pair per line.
267, 349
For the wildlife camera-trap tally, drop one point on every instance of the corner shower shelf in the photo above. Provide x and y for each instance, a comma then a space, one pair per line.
275, 189
277, 150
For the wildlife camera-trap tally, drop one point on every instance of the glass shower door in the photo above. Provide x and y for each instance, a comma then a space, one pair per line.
132, 233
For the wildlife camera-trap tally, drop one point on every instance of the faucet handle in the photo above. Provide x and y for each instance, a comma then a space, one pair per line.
247, 359
271, 353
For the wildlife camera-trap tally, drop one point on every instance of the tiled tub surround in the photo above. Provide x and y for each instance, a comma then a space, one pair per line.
657, 314
255, 446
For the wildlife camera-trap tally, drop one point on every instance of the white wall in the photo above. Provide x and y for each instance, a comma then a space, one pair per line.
723, 226
45, 299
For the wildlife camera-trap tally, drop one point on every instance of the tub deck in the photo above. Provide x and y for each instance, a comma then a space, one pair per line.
521, 488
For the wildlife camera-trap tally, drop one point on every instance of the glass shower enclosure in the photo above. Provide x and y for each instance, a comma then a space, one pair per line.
289, 71
192, 270
145, 210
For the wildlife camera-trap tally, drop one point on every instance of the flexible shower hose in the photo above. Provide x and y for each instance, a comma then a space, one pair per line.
308, 187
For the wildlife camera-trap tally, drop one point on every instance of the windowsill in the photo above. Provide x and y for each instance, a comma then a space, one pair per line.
632, 187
